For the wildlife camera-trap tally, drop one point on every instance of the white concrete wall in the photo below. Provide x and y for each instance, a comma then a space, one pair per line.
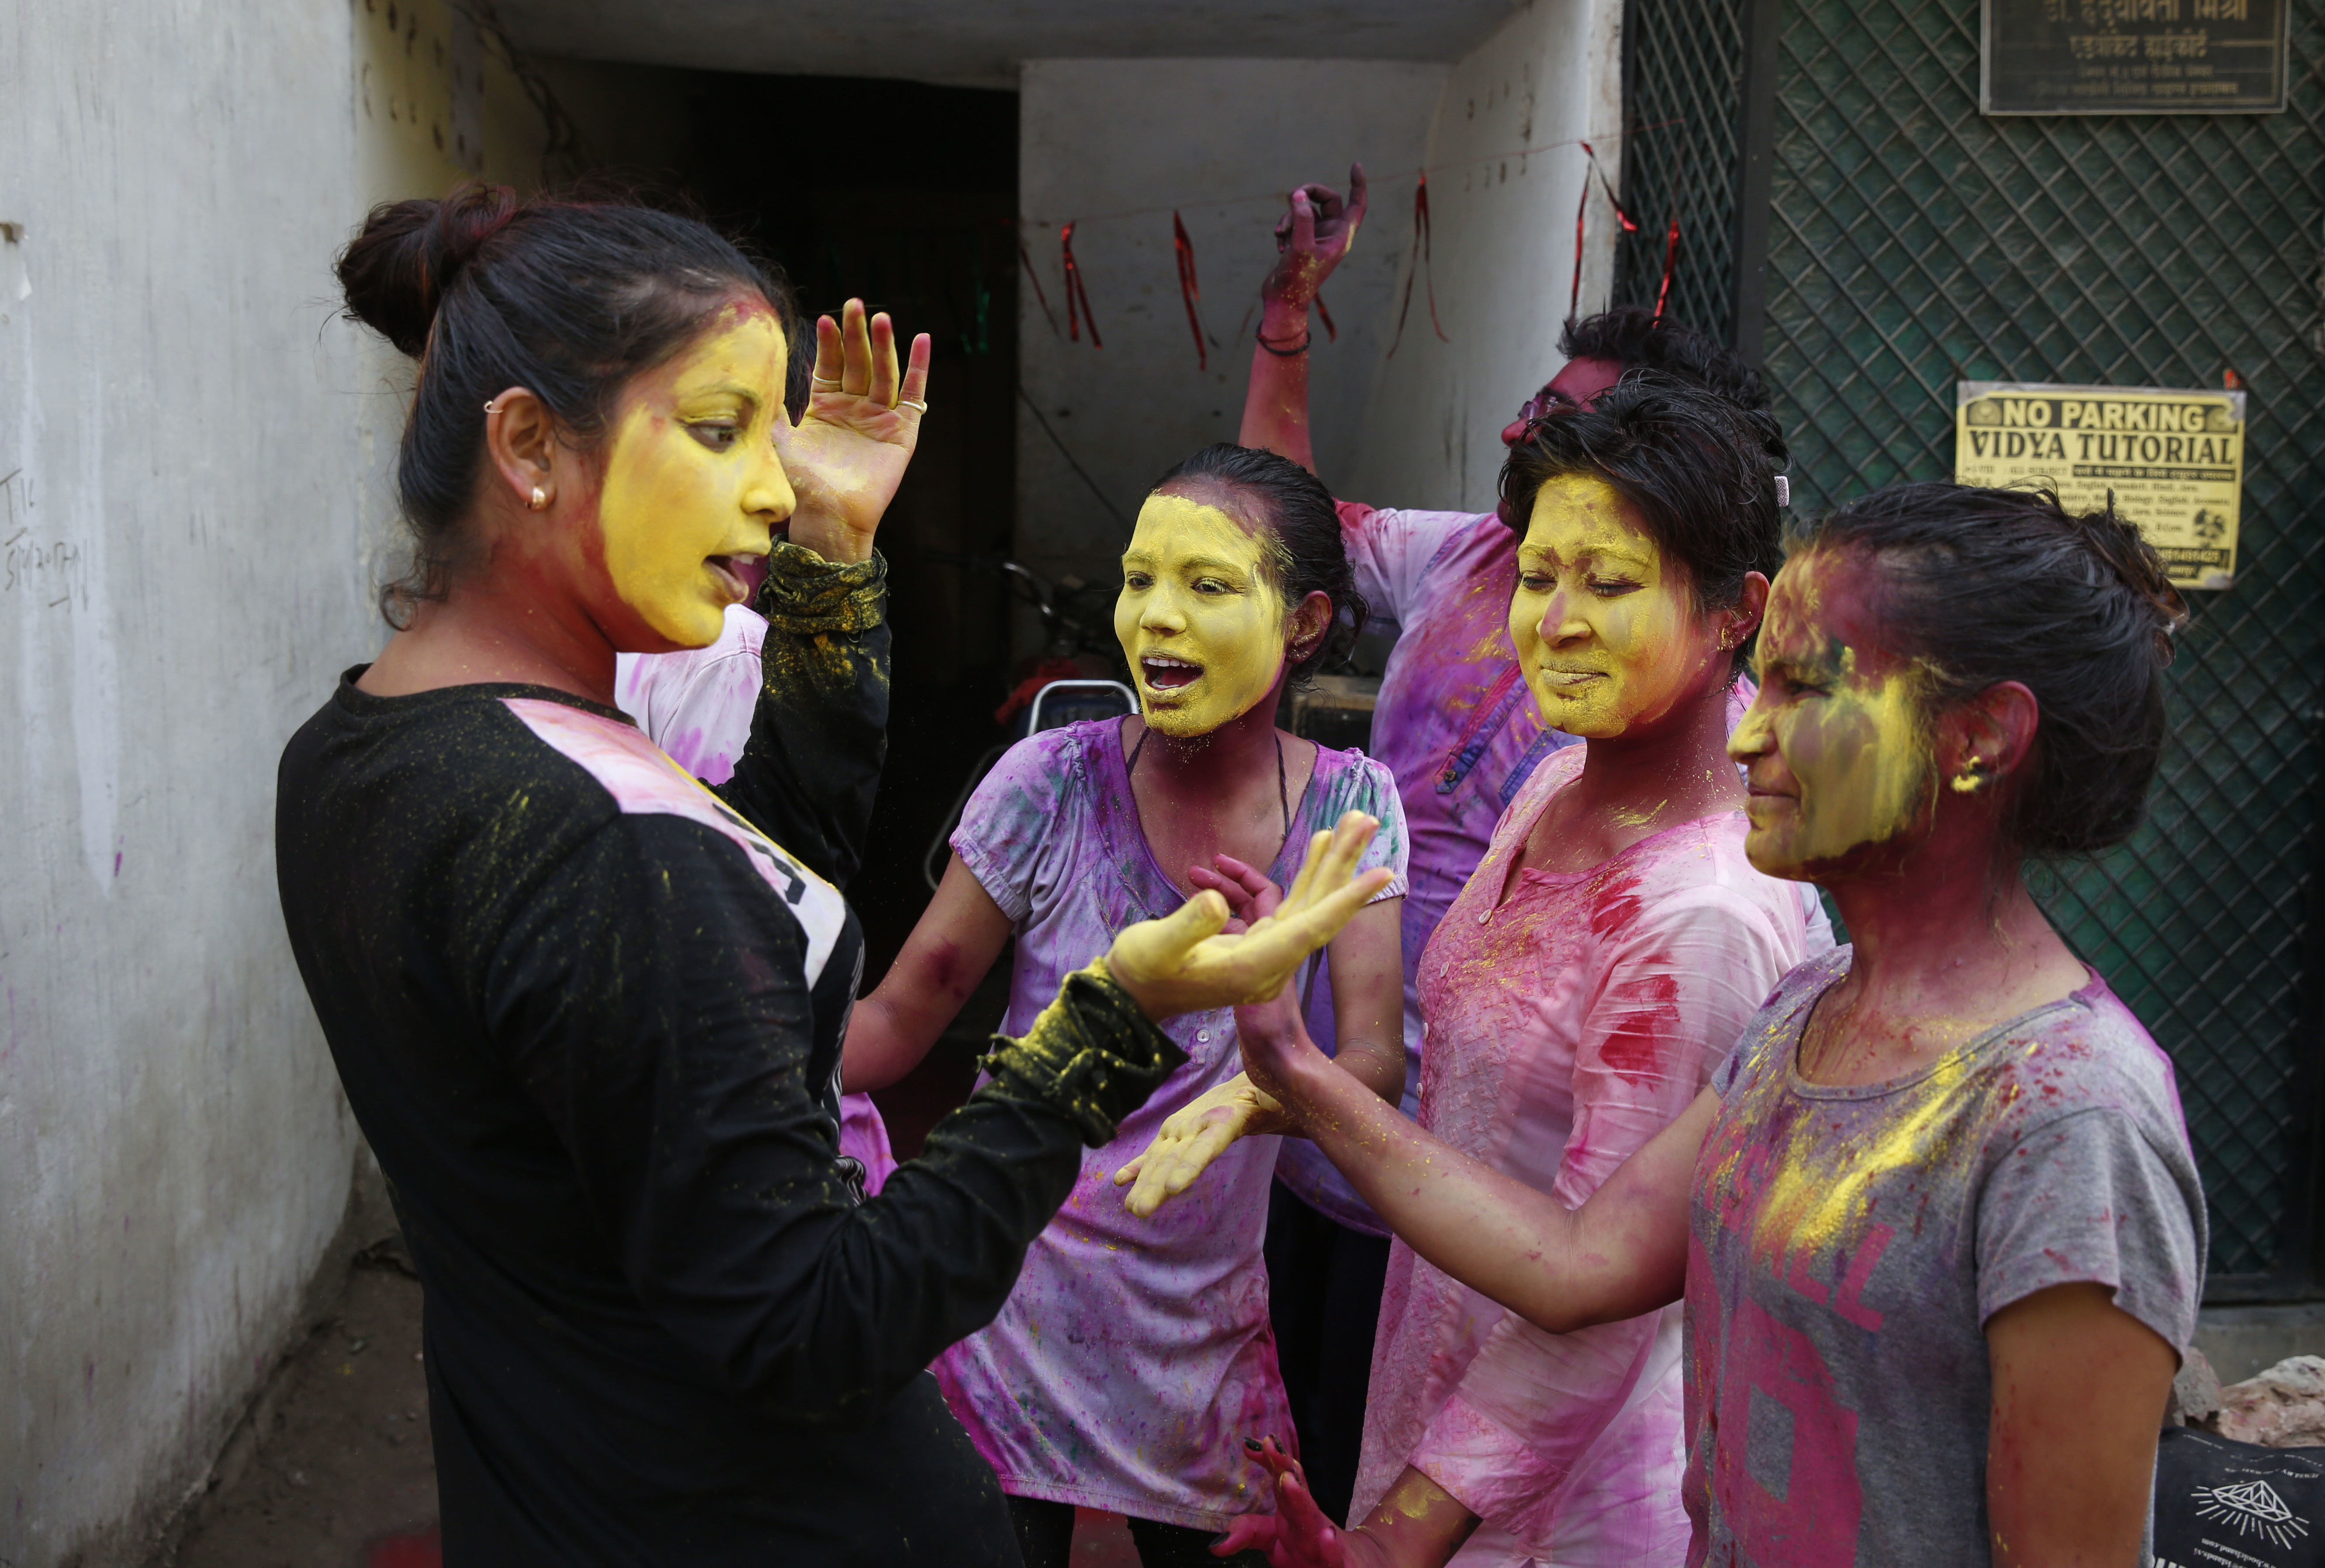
1503, 229
1102, 137
190, 452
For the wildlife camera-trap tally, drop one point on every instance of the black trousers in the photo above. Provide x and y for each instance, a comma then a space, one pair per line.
1324, 1287
1045, 1534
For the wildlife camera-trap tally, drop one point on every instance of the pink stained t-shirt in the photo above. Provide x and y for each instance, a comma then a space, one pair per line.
1454, 725
697, 707
1135, 1355
1565, 1028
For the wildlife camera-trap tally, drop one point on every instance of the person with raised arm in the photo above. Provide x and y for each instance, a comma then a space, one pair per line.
1453, 722
588, 1012
1589, 977
1935, 1220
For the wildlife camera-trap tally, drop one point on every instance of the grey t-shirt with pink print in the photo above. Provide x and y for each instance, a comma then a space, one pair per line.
1849, 1244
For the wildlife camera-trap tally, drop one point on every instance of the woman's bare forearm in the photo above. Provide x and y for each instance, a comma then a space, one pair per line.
1623, 1253
943, 964
1275, 403
1368, 976
1378, 1064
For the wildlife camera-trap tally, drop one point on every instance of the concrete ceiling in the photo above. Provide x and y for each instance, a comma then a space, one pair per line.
979, 42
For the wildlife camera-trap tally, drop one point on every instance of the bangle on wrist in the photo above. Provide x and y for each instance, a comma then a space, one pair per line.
1305, 338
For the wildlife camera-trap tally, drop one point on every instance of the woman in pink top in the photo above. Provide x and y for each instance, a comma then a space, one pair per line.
1135, 1350
1937, 1222
1595, 969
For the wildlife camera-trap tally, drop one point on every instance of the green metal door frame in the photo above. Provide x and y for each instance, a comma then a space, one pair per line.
1848, 219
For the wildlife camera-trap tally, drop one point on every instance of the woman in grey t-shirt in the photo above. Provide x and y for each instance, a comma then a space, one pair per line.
1936, 1222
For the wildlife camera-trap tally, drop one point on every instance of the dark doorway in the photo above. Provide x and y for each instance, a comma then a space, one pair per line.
906, 196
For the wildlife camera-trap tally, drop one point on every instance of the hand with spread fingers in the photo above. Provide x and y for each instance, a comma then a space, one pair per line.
848, 452
1187, 960
1200, 1132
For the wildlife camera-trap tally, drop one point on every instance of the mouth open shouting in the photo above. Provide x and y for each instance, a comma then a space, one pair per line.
1164, 673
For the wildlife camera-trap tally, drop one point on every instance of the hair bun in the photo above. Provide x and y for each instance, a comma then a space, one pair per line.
397, 269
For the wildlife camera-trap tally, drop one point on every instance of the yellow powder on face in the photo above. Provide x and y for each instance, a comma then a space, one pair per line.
691, 476
1867, 762
1199, 620
1851, 739
1605, 632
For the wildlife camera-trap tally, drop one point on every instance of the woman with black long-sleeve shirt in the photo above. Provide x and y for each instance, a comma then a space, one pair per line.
589, 1012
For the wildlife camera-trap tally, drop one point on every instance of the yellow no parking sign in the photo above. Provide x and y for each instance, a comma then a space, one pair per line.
2174, 460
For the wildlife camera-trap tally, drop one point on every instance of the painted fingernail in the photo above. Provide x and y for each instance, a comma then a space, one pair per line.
1218, 1540
1251, 1446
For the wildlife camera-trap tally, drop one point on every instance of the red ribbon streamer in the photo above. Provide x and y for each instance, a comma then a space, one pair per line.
1605, 185
1574, 298
1670, 255
1188, 289
1331, 333
1420, 263
1026, 257
1078, 305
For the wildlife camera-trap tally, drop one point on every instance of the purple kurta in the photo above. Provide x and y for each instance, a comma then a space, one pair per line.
1133, 1354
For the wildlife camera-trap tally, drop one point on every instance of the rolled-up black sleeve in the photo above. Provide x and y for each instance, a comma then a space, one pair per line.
809, 774
654, 1004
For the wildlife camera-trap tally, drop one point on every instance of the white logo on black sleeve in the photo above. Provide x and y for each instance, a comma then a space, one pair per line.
2253, 1508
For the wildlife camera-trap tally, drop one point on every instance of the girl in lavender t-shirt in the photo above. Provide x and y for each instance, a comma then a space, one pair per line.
1936, 1220
1135, 1352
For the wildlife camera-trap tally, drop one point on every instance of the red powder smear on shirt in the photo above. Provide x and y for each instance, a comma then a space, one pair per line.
1636, 1048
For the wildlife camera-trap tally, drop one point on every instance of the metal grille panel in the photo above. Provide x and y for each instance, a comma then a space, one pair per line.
1913, 242
1682, 69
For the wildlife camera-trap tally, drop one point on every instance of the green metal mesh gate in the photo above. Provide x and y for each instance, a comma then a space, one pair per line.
1910, 243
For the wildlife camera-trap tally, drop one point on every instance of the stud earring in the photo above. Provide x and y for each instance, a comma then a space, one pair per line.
1969, 778
540, 501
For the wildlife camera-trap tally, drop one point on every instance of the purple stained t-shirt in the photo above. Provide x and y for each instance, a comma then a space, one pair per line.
1135, 1355
1849, 1244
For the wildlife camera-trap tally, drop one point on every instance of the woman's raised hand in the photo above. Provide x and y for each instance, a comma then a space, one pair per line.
1185, 963
850, 450
1312, 238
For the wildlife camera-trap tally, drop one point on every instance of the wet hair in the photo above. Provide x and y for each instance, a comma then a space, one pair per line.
1699, 470
1636, 339
1303, 551
567, 297
1981, 586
